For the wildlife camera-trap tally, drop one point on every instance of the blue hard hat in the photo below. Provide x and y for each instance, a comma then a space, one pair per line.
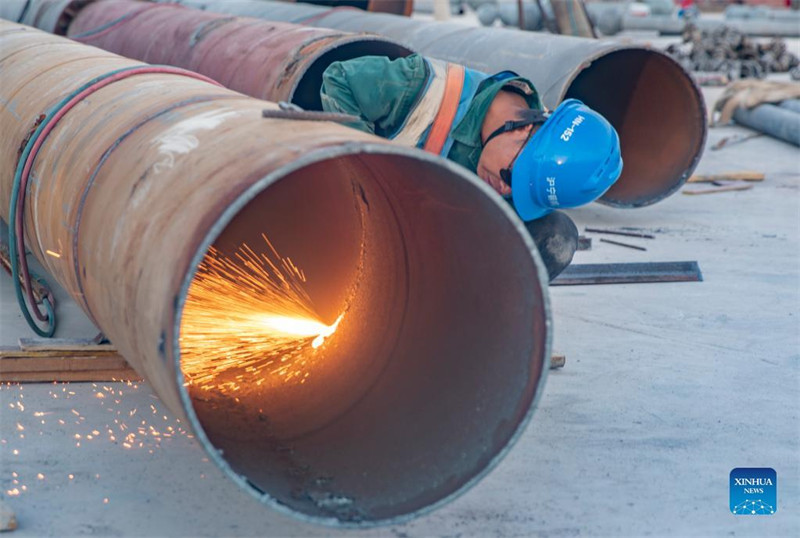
573, 159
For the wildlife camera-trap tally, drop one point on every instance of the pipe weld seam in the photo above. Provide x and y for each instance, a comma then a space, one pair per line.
25, 165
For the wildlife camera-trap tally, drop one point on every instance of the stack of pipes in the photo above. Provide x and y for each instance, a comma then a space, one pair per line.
634, 86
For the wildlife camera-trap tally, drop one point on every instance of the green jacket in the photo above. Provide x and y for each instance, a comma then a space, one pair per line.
382, 93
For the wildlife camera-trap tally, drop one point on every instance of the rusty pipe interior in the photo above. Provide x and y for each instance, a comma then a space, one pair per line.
659, 115
440, 353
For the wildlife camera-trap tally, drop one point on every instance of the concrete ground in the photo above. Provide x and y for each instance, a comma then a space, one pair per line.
667, 387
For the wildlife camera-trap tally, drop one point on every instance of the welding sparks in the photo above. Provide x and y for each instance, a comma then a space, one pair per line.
248, 314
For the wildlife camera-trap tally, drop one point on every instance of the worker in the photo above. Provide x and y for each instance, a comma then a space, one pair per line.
496, 127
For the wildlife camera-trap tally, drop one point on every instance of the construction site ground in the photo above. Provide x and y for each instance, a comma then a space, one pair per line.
667, 388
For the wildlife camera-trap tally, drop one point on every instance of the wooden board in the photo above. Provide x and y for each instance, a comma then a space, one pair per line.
20, 366
746, 175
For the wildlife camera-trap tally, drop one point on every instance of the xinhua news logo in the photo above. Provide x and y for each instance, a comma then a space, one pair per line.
754, 492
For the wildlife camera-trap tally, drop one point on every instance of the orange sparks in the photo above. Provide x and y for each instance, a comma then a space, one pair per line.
248, 316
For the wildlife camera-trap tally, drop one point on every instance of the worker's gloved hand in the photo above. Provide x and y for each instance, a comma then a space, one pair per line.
556, 237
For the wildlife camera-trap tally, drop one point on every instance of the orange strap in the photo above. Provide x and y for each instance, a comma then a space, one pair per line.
443, 122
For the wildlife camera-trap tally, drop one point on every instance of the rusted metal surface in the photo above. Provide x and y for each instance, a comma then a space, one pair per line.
435, 369
276, 61
395, 7
51, 15
650, 99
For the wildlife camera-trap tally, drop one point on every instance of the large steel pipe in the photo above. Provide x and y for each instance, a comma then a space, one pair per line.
443, 331
51, 15
275, 61
653, 103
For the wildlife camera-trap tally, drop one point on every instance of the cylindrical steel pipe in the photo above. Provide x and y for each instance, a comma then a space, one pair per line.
395, 7
53, 16
776, 121
275, 61
666, 25
649, 98
791, 104
442, 350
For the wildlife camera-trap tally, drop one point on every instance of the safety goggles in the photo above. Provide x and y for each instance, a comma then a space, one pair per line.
537, 117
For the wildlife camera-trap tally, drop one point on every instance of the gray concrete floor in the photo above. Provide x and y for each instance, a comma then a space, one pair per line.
667, 387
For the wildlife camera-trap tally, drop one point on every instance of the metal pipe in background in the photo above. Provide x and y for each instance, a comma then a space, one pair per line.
395, 7
611, 18
275, 61
653, 103
666, 25
791, 104
53, 16
776, 121
432, 372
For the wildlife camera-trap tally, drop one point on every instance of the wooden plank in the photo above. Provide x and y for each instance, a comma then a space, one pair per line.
17, 352
60, 377
715, 190
43, 365
64, 344
745, 175
61, 364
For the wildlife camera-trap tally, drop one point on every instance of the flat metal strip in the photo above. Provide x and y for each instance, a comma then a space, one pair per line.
628, 273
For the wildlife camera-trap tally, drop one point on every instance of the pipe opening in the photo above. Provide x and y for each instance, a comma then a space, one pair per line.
439, 337
306, 94
659, 115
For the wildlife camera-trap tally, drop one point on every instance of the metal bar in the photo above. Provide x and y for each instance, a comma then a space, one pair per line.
275, 61
628, 273
626, 245
136, 184
619, 232
634, 86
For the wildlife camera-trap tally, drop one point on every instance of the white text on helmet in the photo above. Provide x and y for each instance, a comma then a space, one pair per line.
552, 196
567, 134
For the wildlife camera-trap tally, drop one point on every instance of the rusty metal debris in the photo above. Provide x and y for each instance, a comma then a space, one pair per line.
139, 181
620, 244
628, 273
619, 232
732, 140
729, 51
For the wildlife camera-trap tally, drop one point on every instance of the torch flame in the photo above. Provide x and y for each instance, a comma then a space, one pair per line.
248, 315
